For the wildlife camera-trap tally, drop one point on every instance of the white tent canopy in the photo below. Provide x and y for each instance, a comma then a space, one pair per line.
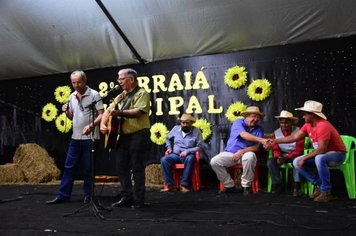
42, 37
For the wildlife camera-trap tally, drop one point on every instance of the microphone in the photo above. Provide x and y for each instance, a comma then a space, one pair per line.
113, 89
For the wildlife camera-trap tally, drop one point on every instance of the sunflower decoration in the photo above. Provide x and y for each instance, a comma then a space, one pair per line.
49, 112
63, 123
158, 133
62, 93
234, 111
259, 89
235, 77
204, 126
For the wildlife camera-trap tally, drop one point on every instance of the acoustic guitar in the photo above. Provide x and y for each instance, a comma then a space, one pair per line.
113, 124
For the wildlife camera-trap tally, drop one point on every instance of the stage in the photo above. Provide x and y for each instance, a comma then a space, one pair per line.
23, 212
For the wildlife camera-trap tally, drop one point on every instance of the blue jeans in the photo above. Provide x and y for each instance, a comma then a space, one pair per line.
322, 163
78, 152
275, 172
173, 158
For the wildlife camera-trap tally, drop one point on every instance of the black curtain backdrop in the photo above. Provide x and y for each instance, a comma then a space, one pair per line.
322, 70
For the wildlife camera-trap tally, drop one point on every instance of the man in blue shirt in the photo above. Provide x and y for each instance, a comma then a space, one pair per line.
245, 138
186, 140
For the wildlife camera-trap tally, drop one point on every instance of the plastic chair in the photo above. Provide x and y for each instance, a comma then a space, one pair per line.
177, 169
232, 173
348, 167
288, 166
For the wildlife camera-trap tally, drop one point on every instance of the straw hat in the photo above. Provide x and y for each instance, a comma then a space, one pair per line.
287, 115
186, 117
313, 107
252, 110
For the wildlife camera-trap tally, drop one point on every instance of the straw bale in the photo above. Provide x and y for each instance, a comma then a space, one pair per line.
154, 175
11, 173
36, 164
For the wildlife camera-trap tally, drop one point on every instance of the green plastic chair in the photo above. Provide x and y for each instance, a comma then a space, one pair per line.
348, 167
285, 171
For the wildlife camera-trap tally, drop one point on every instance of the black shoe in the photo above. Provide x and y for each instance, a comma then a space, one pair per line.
56, 200
87, 199
246, 191
277, 188
227, 190
123, 202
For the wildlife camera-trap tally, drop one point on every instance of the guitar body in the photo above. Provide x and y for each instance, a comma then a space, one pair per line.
113, 135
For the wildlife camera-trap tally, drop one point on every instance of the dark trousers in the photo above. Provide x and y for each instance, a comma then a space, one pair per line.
78, 153
132, 152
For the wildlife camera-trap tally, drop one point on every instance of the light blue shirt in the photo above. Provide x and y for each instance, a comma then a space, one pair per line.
235, 141
190, 143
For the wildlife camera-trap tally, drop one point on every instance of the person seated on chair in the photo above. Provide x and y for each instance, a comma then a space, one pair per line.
329, 149
182, 142
285, 153
242, 145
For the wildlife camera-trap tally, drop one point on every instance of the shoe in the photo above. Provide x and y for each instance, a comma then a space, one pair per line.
324, 197
184, 189
123, 202
276, 188
87, 199
56, 200
246, 191
227, 190
170, 188
316, 192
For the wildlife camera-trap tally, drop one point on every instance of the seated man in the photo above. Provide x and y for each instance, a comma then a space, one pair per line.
245, 136
329, 149
285, 153
186, 140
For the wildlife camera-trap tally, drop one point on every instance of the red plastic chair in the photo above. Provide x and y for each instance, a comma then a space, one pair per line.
232, 172
177, 169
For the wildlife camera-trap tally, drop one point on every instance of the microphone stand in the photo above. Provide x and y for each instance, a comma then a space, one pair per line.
94, 203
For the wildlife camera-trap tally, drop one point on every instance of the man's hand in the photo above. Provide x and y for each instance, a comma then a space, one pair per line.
237, 155
280, 160
169, 151
104, 129
183, 154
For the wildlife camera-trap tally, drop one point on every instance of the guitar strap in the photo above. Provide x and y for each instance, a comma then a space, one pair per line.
126, 105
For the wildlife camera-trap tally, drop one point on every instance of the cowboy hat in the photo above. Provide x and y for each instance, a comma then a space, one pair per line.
313, 107
252, 110
287, 115
186, 117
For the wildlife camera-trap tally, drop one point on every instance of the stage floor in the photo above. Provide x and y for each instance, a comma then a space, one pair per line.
201, 213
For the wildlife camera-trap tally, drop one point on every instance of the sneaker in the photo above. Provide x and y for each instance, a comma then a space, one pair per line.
324, 197
277, 188
246, 191
227, 190
316, 192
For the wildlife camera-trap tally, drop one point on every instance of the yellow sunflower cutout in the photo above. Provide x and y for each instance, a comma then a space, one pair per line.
63, 124
158, 133
49, 112
62, 93
235, 77
204, 126
259, 90
234, 111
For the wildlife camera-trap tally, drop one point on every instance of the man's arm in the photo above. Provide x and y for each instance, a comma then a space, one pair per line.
291, 138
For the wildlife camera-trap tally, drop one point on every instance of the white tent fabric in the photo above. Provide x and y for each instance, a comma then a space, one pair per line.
42, 37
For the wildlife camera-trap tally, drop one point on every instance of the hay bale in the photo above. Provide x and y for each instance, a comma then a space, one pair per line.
11, 173
36, 164
154, 175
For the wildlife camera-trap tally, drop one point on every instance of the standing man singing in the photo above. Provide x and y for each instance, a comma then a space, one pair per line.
133, 144
79, 111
